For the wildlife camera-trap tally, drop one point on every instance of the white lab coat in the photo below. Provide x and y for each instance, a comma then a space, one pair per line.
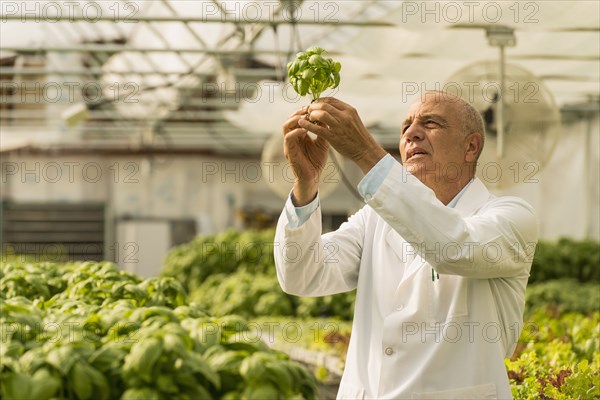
414, 337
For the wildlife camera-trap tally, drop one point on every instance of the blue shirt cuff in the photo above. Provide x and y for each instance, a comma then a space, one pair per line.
371, 182
299, 215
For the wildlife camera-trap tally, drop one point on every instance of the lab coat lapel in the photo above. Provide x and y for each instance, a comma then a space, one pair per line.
472, 200
404, 251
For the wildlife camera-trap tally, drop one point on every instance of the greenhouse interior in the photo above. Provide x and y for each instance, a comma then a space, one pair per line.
217, 199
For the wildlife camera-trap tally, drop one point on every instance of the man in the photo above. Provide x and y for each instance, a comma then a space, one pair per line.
439, 264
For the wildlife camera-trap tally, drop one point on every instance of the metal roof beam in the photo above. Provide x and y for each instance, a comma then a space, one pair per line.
209, 103
241, 72
234, 19
118, 49
115, 116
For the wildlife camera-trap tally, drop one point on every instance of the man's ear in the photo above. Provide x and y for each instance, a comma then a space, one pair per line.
474, 145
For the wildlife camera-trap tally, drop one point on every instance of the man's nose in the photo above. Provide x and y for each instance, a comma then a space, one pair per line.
413, 133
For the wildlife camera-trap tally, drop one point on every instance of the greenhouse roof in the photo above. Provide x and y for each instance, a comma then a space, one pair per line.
209, 75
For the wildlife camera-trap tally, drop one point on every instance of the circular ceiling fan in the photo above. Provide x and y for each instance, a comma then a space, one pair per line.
521, 118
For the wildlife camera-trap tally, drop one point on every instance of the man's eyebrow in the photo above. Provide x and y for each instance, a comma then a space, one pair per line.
436, 117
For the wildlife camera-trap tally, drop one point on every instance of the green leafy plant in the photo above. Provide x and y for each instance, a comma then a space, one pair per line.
234, 273
566, 258
557, 358
562, 295
224, 253
312, 73
90, 331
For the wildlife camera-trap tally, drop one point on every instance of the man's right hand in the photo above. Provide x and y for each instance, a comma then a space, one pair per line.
306, 156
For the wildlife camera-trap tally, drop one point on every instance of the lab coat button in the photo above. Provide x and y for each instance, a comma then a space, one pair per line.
389, 351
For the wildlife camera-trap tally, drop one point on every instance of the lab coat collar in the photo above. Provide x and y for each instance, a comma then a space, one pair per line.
475, 196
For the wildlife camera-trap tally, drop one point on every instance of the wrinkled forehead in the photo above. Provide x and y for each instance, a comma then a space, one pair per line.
435, 103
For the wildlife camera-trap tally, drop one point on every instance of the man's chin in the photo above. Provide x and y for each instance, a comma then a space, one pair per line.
421, 171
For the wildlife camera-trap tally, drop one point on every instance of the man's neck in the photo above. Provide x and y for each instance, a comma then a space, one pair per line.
446, 191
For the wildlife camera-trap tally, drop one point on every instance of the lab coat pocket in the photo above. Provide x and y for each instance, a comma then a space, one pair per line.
448, 298
480, 392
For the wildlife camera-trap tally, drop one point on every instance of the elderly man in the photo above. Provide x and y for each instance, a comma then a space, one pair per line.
440, 264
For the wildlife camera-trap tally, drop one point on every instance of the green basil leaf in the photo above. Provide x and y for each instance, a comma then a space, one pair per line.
81, 381
144, 354
280, 376
199, 365
16, 386
303, 87
308, 73
263, 391
44, 384
62, 358
141, 394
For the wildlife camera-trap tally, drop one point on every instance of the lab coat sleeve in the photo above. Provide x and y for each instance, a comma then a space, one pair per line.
496, 241
311, 264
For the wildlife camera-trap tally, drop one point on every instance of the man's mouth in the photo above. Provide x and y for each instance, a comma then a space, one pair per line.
415, 153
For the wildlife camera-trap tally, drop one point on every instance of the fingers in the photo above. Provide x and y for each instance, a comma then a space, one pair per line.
338, 104
300, 111
339, 114
321, 111
292, 122
328, 111
323, 106
291, 141
318, 130
323, 117
322, 143
294, 135
327, 115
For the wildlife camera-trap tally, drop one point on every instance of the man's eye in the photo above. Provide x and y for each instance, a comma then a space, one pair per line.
431, 122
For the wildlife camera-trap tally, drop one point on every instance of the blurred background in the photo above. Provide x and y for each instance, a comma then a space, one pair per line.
128, 127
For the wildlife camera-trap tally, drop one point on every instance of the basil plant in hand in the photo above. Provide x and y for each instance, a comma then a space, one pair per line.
312, 73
